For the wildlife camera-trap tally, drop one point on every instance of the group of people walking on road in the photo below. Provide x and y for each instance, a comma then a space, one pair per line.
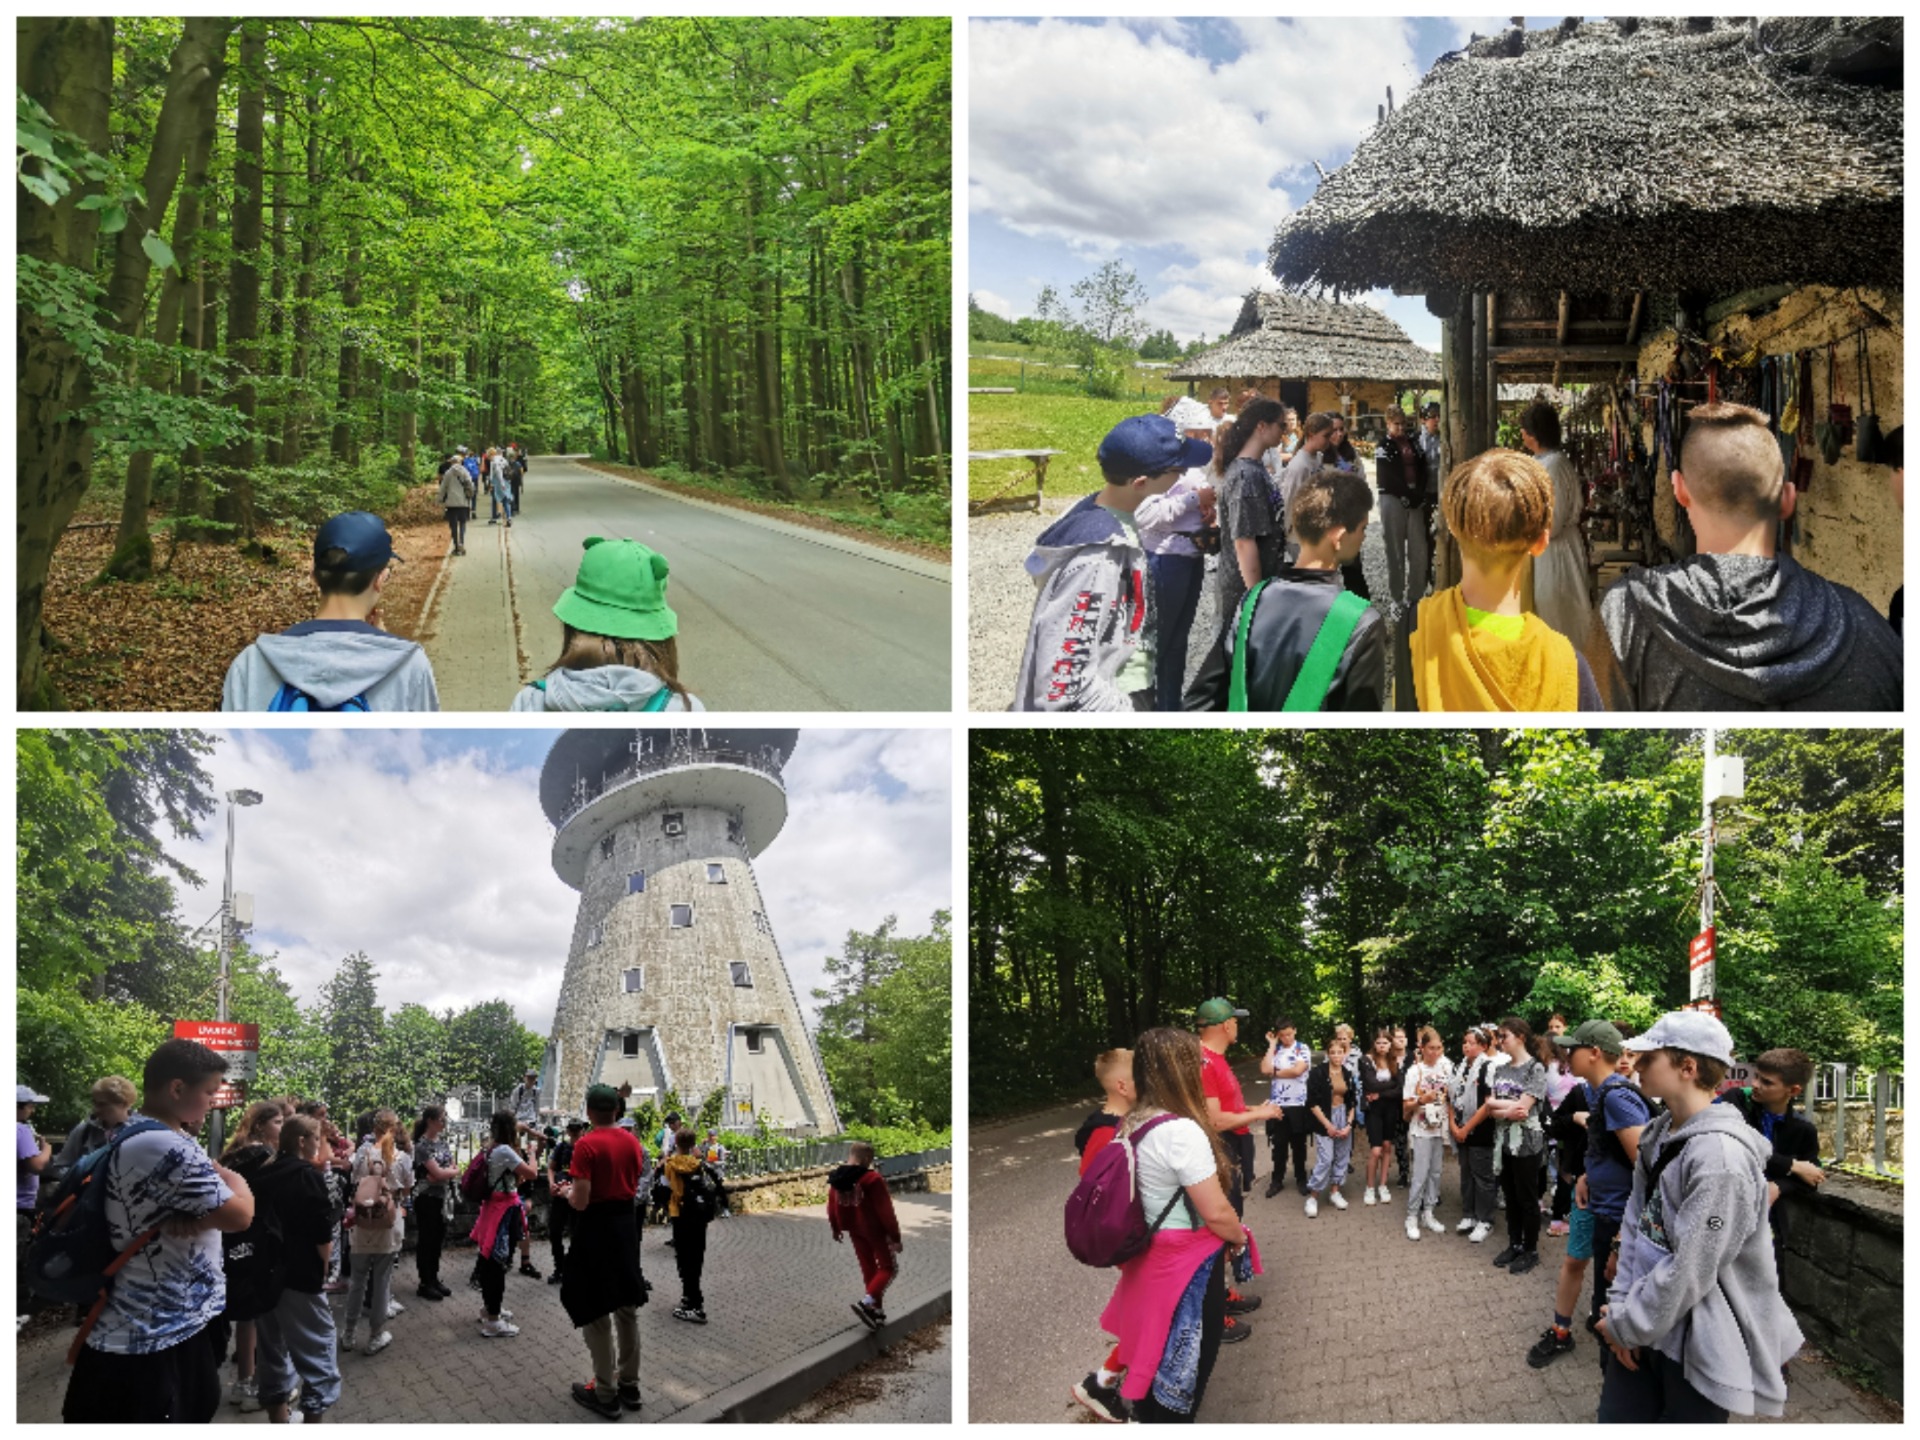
242, 1252
1616, 1139
618, 636
1284, 508
501, 470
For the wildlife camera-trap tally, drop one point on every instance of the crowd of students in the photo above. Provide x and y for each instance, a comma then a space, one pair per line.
242, 1253
618, 636
1285, 506
1615, 1138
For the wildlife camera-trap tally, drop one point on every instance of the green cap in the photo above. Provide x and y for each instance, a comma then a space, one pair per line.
619, 590
1217, 1012
603, 1097
1597, 1033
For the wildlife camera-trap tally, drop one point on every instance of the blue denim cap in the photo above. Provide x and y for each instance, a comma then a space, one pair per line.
362, 536
1148, 445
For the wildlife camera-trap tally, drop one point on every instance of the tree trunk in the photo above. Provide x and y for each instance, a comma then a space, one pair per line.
66, 65
292, 438
410, 384
234, 506
345, 446
203, 334
690, 392
133, 548
276, 350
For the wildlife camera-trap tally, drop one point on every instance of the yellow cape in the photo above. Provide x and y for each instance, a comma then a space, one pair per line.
1457, 667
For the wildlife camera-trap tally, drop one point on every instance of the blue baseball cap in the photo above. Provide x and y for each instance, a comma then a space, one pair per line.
1148, 445
362, 536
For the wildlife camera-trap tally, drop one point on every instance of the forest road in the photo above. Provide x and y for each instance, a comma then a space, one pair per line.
773, 615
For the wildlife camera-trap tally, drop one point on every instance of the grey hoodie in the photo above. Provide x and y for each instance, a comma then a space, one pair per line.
605, 687
1742, 632
332, 661
1696, 1278
1088, 616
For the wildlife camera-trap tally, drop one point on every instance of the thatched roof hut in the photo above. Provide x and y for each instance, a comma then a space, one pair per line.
1294, 337
1664, 155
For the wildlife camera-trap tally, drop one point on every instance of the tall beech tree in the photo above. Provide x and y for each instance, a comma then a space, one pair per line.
268, 264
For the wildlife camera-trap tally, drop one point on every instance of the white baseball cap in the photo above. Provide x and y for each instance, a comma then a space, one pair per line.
27, 1095
1692, 1030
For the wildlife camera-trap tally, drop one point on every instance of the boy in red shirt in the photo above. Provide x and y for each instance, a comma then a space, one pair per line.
859, 1204
601, 1288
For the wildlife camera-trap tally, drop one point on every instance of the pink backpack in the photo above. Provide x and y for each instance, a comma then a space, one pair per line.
1106, 1223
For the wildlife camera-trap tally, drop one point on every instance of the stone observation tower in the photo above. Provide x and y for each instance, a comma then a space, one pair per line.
674, 980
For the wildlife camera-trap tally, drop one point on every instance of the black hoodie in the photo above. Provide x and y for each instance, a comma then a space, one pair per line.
1742, 632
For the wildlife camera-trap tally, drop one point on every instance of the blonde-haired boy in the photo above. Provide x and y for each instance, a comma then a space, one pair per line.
1475, 646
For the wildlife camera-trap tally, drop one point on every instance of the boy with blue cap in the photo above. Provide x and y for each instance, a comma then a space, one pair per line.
340, 659
1083, 648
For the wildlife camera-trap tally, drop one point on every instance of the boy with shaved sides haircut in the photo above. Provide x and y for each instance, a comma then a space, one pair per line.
1302, 641
1738, 626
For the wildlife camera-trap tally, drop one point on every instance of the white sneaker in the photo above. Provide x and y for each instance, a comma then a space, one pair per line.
1339, 1200
1465, 1225
1366, 1196
394, 1307
1480, 1232
1413, 1228
1385, 1195
379, 1342
1426, 1218
1313, 1207
499, 1329
505, 1314
347, 1339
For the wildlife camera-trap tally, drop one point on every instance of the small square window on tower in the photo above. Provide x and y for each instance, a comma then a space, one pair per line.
742, 976
606, 846
756, 1042
630, 1046
633, 980
636, 882
716, 874
673, 823
595, 935
680, 916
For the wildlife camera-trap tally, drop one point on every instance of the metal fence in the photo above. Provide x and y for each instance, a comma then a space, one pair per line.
1845, 1086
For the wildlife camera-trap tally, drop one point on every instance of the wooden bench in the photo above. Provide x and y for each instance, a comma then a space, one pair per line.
1006, 500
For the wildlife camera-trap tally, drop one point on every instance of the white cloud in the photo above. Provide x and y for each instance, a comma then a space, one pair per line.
438, 866
998, 304
1117, 136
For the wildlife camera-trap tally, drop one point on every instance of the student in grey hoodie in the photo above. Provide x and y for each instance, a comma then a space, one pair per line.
339, 660
1694, 1320
1083, 646
1738, 626
618, 639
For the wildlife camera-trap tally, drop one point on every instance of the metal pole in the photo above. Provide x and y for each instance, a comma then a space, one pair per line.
1706, 823
1839, 1113
219, 1129
1882, 1083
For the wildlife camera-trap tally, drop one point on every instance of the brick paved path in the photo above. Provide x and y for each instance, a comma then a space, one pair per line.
1334, 1286
776, 1285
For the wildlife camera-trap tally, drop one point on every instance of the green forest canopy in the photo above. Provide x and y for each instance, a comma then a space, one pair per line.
263, 263
1119, 878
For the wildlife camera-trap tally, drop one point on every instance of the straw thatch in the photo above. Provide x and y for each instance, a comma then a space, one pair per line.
1665, 155
1295, 337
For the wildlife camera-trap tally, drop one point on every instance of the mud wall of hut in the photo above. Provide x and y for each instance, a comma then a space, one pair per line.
1368, 396
1850, 529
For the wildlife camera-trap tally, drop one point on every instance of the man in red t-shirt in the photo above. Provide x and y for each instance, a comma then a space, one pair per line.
1219, 1026
602, 1289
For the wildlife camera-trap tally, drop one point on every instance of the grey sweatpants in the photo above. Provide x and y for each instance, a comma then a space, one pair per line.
1479, 1195
613, 1342
372, 1289
295, 1340
1428, 1156
1408, 549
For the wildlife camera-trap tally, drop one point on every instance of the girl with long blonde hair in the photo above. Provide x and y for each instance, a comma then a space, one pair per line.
377, 1247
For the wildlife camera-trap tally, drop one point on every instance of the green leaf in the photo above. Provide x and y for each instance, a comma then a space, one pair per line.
34, 140
93, 202
158, 251
41, 188
113, 219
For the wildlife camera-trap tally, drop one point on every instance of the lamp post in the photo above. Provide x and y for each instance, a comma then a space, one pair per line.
235, 798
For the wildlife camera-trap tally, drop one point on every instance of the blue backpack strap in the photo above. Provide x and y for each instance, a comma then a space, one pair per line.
287, 698
659, 700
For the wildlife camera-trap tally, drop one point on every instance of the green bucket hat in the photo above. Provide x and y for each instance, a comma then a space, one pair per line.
620, 590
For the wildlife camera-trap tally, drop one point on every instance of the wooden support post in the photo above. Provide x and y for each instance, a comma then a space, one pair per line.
1633, 320
1560, 334
1491, 436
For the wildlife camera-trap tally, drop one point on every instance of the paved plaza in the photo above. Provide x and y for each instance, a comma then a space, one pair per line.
777, 1291
1358, 1322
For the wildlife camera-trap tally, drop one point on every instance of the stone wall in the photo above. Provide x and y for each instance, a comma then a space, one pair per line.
1850, 529
1860, 1131
1842, 1273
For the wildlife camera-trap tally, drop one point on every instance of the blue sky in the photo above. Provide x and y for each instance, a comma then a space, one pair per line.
1175, 146
428, 850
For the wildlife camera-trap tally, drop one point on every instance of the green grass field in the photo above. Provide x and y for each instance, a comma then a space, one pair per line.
1049, 413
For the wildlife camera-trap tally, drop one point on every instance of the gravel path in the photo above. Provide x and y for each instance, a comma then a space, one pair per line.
1000, 596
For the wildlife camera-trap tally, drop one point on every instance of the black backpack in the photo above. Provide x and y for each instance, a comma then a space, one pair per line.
255, 1259
700, 1193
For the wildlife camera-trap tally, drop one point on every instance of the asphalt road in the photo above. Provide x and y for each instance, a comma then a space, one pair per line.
1337, 1291
773, 615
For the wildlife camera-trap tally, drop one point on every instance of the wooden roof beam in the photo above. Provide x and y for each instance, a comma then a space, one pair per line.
1550, 354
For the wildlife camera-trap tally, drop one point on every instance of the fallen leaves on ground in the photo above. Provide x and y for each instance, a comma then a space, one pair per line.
165, 643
